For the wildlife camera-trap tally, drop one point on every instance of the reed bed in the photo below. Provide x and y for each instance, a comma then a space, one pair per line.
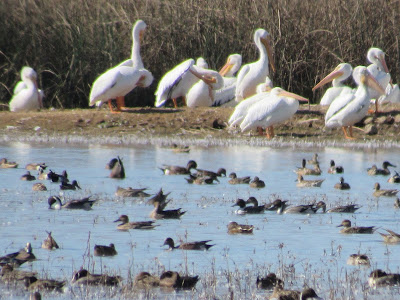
70, 43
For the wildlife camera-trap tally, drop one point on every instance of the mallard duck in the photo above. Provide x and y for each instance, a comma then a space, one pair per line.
84, 277
145, 280
342, 185
358, 259
381, 278
130, 192
308, 183
235, 180
70, 186
269, 282
395, 178
177, 170
333, 169
390, 238
384, 171
383, 193
170, 279
281, 294
126, 225
39, 187
5, 164
85, 203
101, 250
49, 243
28, 177
34, 284
234, 227
117, 168
200, 245
346, 224
257, 183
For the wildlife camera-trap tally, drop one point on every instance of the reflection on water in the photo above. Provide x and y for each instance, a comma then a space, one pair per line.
304, 250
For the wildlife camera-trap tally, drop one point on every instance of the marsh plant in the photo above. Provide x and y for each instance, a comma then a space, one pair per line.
70, 43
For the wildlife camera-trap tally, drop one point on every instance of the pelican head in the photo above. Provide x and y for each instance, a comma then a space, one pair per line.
377, 56
232, 65
341, 72
282, 93
138, 30
264, 37
266, 86
201, 63
363, 76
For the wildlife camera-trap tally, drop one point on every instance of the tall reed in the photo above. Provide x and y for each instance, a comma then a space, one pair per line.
70, 43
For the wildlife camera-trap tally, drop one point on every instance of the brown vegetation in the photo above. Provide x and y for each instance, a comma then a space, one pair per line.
70, 43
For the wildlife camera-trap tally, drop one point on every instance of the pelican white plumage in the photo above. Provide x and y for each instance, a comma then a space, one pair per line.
178, 81
116, 82
263, 89
225, 96
202, 93
26, 96
348, 109
280, 106
250, 75
337, 76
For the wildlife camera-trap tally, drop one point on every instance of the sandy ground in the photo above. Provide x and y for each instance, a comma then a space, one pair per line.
190, 126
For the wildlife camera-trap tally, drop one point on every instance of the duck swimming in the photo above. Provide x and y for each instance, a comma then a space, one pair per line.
281, 294
314, 160
126, 225
101, 250
235, 180
70, 186
333, 169
383, 193
381, 278
171, 279
350, 208
5, 164
342, 185
308, 183
200, 245
234, 228
243, 209
85, 203
117, 168
384, 171
34, 284
159, 213
358, 259
391, 237
395, 178
28, 177
49, 243
257, 183
221, 172
269, 282
177, 170
145, 280
84, 277
130, 192
306, 171
346, 224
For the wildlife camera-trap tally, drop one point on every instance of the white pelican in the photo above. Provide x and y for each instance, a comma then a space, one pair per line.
392, 94
225, 96
351, 108
241, 109
202, 93
26, 94
252, 74
280, 106
177, 82
116, 82
341, 73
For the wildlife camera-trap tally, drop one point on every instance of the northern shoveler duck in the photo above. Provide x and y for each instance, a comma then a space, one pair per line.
159, 198
257, 183
358, 259
84, 277
49, 243
314, 160
171, 279
201, 179
117, 168
85, 203
126, 225
160, 213
383, 193
303, 170
219, 173
281, 294
130, 192
308, 183
177, 170
10, 274
101, 250
235, 180
70, 186
35, 166
39, 187
5, 164
276, 205
234, 227
346, 224
269, 282
333, 169
395, 178
145, 280
384, 171
381, 278
200, 245
350, 208
390, 238
342, 185
28, 177
34, 284
243, 209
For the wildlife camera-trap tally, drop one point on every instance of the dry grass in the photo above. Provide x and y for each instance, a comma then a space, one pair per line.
69, 43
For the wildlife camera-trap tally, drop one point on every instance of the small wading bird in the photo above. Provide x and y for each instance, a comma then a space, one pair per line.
116, 82
27, 96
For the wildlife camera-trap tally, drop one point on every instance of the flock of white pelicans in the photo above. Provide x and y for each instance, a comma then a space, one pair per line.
257, 103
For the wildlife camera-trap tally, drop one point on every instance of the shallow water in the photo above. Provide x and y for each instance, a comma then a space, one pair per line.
302, 249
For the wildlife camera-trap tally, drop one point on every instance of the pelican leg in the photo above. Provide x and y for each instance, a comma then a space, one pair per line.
120, 103
260, 131
376, 106
346, 135
351, 132
271, 131
184, 100
111, 107
175, 102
